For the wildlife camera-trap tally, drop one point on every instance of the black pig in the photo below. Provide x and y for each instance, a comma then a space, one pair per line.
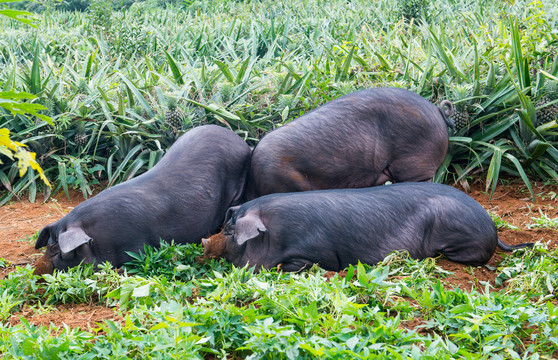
359, 140
184, 197
336, 228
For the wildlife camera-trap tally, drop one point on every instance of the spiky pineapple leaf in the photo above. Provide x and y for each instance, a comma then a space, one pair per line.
216, 109
494, 170
522, 174
549, 75
139, 97
539, 150
174, 68
90, 60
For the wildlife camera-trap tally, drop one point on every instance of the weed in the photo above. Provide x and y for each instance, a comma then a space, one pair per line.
501, 223
544, 222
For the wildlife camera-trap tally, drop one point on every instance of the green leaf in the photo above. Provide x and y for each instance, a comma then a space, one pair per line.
161, 325
174, 68
21, 16
343, 72
449, 63
217, 110
90, 60
494, 170
137, 94
35, 77
225, 70
519, 168
141, 291
124, 162
539, 150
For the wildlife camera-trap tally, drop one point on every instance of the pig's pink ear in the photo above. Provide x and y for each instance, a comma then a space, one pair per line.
248, 227
72, 238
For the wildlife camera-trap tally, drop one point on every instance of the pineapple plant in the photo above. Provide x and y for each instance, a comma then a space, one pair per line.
285, 100
547, 113
174, 115
412, 9
345, 87
50, 105
152, 98
459, 96
225, 91
140, 111
82, 86
78, 100
81, 138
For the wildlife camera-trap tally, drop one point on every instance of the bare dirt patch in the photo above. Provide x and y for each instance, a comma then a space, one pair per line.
83, 316
21, 219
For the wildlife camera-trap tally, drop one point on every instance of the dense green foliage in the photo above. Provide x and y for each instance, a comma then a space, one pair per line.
185, 309
107, 78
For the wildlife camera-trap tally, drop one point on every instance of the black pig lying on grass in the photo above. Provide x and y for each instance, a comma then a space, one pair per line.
184, 197
359, 140
336, 228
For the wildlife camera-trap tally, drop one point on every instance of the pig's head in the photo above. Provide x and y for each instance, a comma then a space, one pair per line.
66, 247
240, 227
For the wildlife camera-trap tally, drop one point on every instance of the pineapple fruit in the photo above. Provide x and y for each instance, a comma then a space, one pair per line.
547, 113
174, 115
411, 9
50, 105
82, 87
459, 94
81, 138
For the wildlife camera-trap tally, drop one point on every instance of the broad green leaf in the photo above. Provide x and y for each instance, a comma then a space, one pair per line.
22, 16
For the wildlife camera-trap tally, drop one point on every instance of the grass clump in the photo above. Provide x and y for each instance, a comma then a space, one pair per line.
543, 222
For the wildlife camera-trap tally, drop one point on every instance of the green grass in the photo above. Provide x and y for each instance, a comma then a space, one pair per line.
501, 223
400, 308
544, 222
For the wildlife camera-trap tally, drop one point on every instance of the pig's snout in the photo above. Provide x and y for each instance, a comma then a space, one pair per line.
214, 247
43, 266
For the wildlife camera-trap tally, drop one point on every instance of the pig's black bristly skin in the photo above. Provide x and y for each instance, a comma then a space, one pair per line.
336, 228
359, 140
184, 197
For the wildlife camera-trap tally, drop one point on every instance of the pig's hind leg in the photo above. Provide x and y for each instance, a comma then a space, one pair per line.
411, 170
457, 232
282, 180
470, 251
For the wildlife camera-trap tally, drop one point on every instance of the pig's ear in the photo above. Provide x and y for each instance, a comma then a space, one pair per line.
42, 239
72, 238
248, 227
230, 212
